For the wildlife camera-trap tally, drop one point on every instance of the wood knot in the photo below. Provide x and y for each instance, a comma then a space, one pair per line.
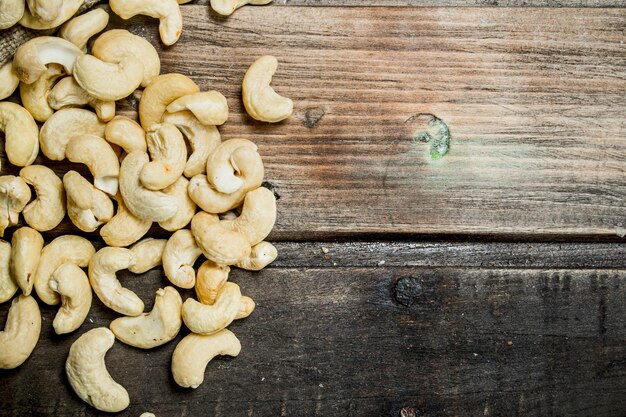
313, 116
272, 188
407, 291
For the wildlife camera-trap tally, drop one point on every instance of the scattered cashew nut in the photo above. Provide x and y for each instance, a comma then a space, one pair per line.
14, 195
98, 155
261, 256
186, 206
81, 28
68, 8
107, 81
127, 134
211, 278
210, 107
167, 11
67, 93
87, 207
148, 254
21, 133
31, 58
223, 166
47, 211
8, 78
35, 96
26, 247
63, 126
259, 98
179, 255
207, 319
257, 218
219, 244
11, 11
8, 286
72, 284
21, 332
227, 7
162, 91
169, 157
44, 10
124, 228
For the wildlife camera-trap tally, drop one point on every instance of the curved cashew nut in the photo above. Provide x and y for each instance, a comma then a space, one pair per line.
45, 10
68, 8
148, 254
21, 332
31, 57
153, 329
211, 278
35, 96
115, 45
159, 94
261, 256
257, 216
210, 200
81, 28
106, 81
68, 93
124, 228
246, 308
72, 284
127, 134
224, 163
88, 375
227, 7
21, 132
219, 244
26, 247
167, 11
99, 157
14, 195
169, 157
179, 255
146, 204
194, 352
87, 207
11, 11
47, 211
207, 319
186, 206
67, 249
259, 98
8, 286
203, 139
210, 107
8, 78
65, 124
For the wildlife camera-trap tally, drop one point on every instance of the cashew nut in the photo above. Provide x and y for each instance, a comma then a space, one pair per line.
72, 284
35, 96
167, 11
8, 286
207, 319
210, 107
88, 375
194, 352
186, 206
14, 195
146, 204
21, 332
211, 278
106, 81
31, 57
127, 134
153, 329
48, 209
45, 10
68, 249
26, 247
227, 7
213, 201
159, 94
81, 28
179, 255
21, 133
115, 45
219, 244
102, 268
68, 8
87, 207
8, 78
65, 124
257, 216
169, 157
229, 165
68, 93
11, 11
124, 228
261, 256
203, 139
259, 98
246, 308
99, 157
148, 254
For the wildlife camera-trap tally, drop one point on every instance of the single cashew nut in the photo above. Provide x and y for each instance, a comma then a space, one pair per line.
26, 247
148, 254
68, 8
63, 126
210, 280
212, 201
8, 286
258, 216
35, 96
210, 107
146, 204
88, 375
100, 158
47, 211
67, 93
167, 11
72, 284
11, 11
169, 157
102, 268
179, 255
106, 81
162, 91
124, 228
194, 352
153, 329
45, 10
227, 7
115, 45
8, 77
14, 195
207, 319
21, 133
66, 249
186, 206
21, 332
81, 28
261, 101
87, 207
261, 256
223, 170
31, 57
246, 308
219, 244
127, 134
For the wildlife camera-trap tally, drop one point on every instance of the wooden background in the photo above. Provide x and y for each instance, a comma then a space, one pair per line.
491, 282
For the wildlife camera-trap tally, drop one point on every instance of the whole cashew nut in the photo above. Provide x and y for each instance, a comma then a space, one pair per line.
246, 308
148, 253
124, 228
259, 98
261, 256
207, 319
169, 157
8, 286
31, 57
211, 278
26, 247
11, 11
47, 211
79, 29
210, 107
163, 90
63, 126
167, 11
87, 207
127, 134
88, 375
219, 244
212, 201
21, 332
45, 10
35, 96
257, 216
21, 132
229, 165
72, 284
67, 10
14, 195
106, 81
186, 206
67, 93
8, 77
227, 7
179, 255
100, 158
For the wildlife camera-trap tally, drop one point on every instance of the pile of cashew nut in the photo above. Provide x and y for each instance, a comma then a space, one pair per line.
210, 199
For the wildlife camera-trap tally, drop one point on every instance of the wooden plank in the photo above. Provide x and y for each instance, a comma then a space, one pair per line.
354, 342
446, 3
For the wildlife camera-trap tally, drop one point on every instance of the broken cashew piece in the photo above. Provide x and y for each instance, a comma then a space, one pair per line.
8, 79
106, 81
102, 268
219, 244
210, 107
21, 134
88, 375
72, 284
257, 218
99, 157
124, 228
167, 11
226, 170
194, 352
162, 91
63, 126
227, 7
186, 206
153, 329
8, 286
11, 11
81, 28
261, 256
207, 319
14, 195
47, 211
87, 207
26, 247
67, 93
148, 254
127, 134
179, 255
169, 157
35, 96
21, 332
64, 12
31, 58
261, 101
211, 278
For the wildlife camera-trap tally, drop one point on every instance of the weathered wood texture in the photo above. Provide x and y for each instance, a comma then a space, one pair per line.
449, 3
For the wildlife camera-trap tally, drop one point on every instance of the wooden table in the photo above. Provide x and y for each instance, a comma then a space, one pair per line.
490, 282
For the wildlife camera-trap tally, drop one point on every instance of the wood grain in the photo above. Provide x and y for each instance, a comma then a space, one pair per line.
448, 3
